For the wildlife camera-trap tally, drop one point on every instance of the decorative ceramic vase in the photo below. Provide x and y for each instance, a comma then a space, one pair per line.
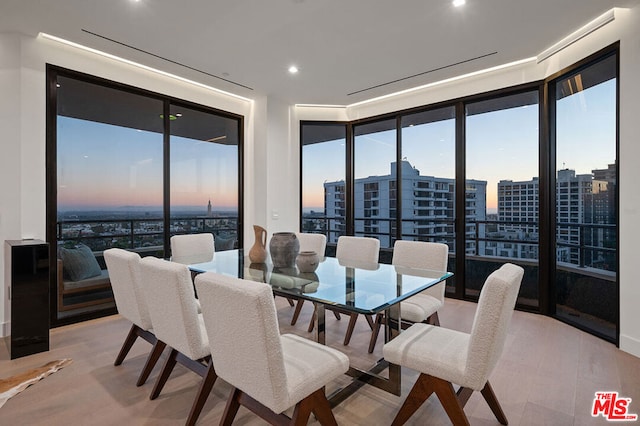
307, 261
284, 247
258, 253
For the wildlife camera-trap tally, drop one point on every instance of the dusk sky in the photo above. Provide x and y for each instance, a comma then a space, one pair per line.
106, 166
501, 145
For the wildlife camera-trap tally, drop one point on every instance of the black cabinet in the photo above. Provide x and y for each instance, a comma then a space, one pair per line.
27, 275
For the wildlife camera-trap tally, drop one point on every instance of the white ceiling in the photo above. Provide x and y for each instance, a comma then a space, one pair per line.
340, 46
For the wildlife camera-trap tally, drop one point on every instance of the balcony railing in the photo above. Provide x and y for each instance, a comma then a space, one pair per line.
139, 233
591, 246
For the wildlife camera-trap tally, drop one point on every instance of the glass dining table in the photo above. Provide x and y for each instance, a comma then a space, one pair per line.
356, 287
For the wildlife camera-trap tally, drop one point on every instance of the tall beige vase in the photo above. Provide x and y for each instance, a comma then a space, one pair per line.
258, 253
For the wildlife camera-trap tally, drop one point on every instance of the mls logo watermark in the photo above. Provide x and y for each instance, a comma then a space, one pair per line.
612, 407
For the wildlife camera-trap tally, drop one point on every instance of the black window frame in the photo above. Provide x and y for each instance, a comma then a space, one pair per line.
52, 73
546, 179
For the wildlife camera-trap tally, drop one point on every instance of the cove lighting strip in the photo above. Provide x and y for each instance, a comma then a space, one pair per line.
144, 67
447, 80
319, 106
600, 21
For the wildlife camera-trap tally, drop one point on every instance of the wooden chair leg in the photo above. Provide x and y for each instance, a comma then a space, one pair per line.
422, 389
231, 409
290, 301
350, 328
296, 312
312, 322
203, 393
434, 319
164, 374
301, 412
322, 408
490, 397
375, 332
370, 321
128, 343
152, 359
419, 393
449, 400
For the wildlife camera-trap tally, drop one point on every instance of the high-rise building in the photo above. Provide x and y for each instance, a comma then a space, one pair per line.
517, 221
600, 210
581, 200
428, 208
571, 192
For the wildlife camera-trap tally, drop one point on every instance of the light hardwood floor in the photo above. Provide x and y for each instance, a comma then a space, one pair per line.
548, 374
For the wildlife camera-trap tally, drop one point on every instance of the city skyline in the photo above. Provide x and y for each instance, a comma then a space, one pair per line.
500, 145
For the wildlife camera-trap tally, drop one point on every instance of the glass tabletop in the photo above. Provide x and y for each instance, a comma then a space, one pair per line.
358, 287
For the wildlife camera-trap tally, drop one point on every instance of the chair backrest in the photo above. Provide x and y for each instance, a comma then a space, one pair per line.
242, 324
192, 248
124, 274
312, 242
172, 305
489, 331
425, 255
359, 249
420, 254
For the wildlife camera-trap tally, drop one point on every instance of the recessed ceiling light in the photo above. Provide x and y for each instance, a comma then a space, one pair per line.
293, 69
458, 3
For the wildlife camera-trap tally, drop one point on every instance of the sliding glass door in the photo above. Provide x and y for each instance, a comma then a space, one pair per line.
128, 169
204, 153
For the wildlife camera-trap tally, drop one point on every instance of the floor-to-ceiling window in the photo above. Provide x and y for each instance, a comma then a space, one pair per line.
428, 158
323, 176
123, 173
375, 179
586, 240
502, 187
509, 176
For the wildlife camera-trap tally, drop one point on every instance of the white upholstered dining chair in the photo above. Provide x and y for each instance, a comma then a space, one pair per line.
124, 274
445, 357
359, 250
192, 248
174, 313
309, 242
269, 372
424, 306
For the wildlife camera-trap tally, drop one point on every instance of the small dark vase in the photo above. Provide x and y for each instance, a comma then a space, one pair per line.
284, 247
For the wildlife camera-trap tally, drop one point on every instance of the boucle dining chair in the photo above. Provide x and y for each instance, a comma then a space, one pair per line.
309, 242
269, 372
124, 274
444, 357
192, 248
174, 313
422, 307
359, 250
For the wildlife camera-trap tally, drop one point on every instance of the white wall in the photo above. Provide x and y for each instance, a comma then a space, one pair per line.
23, 122
10, 169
